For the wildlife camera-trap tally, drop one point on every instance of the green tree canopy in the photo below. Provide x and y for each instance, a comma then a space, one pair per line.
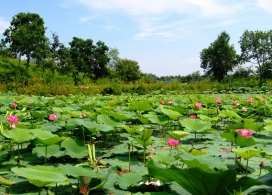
219, 58
88, 59
127, 70
256, 47
26, 36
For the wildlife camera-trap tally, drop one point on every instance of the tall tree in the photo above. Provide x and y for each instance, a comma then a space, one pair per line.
219, 58
127, 70
88, 59
26, 36
256, 47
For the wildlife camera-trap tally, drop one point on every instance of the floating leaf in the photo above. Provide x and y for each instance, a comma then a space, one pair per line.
46, 137
170, 113
18, 135
52, 150
128, 180
77, 171
104, 119
246, 152
207, 163
199, 182
74, 148
195, 124
39, 178
179, 134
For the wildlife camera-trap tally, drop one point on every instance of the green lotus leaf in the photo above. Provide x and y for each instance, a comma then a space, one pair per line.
140, 106
231, 114
195, 124
160, 120
133, 129
50, 127
165, 159
18, 135
170, 113
146, 134
179, 134
192, 151
121, 116
46, 137
206, 118
253, 126
240, 141
104, 119
41, 176
52, 150
77, 171
205, 162
128, 180
199, 182
144, 143
38, 114
111, 171
73, 123
74, 148
268, 128
246, 152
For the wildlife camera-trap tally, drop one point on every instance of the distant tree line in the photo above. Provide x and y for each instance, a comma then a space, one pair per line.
25, 39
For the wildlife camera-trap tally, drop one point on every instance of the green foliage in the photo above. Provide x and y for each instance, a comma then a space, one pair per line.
26, 36
127, 70
219, 58
256, 48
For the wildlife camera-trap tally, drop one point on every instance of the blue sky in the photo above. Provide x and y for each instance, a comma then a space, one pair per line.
164, 36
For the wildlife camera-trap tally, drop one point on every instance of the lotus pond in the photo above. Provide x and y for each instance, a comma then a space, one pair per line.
131, 144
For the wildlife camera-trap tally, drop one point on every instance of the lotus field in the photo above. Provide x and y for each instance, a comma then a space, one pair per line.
131, 144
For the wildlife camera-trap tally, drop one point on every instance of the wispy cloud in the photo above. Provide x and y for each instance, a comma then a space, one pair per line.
151, 7
152, 16
87, 19
265, 4
3, 25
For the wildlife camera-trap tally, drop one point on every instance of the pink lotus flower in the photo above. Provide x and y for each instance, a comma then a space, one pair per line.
218, 101
161, 102
12, 126
192, 116
52, 117
250, 101
234, 102
261, 99
198, 105
245, 133
172, 142
13, 105
244, 109
169, 103
13, 119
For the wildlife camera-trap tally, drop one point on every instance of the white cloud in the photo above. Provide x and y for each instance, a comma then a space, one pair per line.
265, 4
151, 7
87, 19
3, 25
167, 19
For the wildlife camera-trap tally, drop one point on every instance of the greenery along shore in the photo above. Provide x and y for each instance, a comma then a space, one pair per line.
31, 63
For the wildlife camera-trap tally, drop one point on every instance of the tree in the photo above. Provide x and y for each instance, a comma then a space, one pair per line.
219, 58
113, 55
50, 62
256, 47
88, 59
26, 36
127, 70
